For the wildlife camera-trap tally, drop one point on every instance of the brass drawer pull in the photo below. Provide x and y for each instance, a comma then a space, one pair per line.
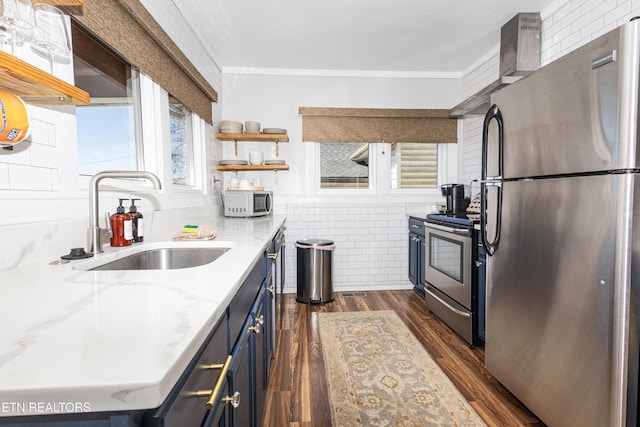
214, 395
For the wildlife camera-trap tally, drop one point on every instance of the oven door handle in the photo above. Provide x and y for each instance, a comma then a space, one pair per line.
460, 231
443, 302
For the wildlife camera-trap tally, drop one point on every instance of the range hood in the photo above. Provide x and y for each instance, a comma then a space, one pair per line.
519, 56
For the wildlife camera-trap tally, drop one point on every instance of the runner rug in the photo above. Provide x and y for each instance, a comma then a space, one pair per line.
378, 374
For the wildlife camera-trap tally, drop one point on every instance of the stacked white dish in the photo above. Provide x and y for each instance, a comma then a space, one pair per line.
230, 126
252, 127
274, 131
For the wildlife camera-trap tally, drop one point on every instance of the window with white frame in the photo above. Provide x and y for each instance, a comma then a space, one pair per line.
344, 165
356, 142
347, 165
109, 127
414, 165
181, 143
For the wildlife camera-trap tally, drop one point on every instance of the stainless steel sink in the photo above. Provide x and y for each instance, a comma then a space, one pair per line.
164, 259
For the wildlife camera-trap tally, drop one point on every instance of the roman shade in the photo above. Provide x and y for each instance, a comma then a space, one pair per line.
377, 125
128, 28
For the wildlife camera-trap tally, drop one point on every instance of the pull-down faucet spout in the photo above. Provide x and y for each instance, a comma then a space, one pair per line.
94, 242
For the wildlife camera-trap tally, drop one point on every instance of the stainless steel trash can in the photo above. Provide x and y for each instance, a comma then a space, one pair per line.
315, 270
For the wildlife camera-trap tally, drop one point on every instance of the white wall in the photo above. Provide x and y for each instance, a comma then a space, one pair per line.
370, 231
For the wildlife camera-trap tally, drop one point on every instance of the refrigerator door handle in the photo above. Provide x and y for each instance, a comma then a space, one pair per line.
494, 113
490, 246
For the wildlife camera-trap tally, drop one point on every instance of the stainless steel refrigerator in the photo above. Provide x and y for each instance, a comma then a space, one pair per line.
561, 225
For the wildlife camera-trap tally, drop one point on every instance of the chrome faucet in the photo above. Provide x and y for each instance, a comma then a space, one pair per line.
94, 242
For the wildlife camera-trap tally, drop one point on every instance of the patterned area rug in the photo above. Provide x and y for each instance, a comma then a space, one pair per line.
378, 374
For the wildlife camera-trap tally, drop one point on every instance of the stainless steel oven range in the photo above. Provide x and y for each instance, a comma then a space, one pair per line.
451, 272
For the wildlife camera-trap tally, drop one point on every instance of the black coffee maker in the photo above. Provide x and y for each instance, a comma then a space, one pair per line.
454, 195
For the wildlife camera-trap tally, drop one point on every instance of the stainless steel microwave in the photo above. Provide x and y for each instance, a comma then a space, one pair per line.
247, 203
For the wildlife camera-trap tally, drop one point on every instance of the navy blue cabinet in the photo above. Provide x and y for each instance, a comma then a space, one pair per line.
416, 255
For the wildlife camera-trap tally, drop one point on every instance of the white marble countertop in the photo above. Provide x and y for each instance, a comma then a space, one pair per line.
418, 212
78, 341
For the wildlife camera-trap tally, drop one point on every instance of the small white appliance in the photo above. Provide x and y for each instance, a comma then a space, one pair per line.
247, 203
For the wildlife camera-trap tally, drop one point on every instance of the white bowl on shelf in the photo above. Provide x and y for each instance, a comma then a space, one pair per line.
256, 158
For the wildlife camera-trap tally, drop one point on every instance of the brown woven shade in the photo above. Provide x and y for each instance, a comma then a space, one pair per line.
377, 125
128, 28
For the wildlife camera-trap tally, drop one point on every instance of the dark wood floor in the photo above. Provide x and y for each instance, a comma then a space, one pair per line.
297, 390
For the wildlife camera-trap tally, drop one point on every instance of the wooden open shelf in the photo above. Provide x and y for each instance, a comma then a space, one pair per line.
35, 86
232, 168
254, 137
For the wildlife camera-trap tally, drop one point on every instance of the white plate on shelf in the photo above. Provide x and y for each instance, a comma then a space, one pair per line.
274, 131
233, 162
275, 162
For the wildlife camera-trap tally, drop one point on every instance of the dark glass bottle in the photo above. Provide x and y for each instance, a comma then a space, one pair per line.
121, 229
137, 222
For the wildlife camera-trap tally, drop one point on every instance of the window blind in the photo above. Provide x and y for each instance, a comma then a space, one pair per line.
128, 28
377, 125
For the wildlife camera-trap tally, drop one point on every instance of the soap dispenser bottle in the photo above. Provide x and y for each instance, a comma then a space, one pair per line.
137, 222
122, 233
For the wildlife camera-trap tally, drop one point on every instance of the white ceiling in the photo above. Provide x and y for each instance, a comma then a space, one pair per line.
415, 36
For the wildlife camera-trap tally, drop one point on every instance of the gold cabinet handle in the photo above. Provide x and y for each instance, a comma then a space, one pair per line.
214, 395
273, 256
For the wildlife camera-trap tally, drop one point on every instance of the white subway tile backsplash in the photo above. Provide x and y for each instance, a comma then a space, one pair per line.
569, 18
4, 177
370, 238
20, 155
30, 178
618, 15
40, 132
604, 6
580, 23
590, 5
593, 28
44, 156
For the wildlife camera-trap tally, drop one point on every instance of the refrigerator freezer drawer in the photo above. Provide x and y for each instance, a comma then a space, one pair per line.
450, 312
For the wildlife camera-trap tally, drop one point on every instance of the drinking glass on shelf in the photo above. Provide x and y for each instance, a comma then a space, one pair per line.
50, 35
16, 21
6, 35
